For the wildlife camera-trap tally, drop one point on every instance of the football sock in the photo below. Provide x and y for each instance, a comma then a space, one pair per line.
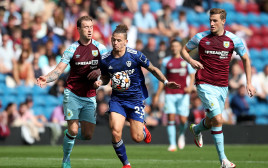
201, 126
120, 150
218, 141
183, 128
68, 143
171, 129
79, 135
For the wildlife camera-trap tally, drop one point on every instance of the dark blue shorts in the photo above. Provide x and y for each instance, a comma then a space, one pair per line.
131, 110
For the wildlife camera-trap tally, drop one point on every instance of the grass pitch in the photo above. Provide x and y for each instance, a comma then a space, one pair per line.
140, 156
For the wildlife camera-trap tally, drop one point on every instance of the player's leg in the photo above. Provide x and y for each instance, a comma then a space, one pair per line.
183, 110
116, 122
87, 118
68, 142
71, 107
170, 110
137, 130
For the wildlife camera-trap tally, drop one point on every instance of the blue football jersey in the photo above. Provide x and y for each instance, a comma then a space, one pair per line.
131, 63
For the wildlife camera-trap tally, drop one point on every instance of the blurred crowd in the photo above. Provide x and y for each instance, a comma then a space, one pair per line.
35, 33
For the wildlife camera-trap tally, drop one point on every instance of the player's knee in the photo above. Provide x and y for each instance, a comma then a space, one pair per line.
73, 132
116, 134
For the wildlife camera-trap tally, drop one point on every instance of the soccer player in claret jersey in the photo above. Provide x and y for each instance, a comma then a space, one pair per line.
79, 96
128, 105
177, 101
215, 48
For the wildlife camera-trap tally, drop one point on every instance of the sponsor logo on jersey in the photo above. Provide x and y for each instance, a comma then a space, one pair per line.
207, 42
128, 63
69, 113
94, 62
222, 54
87, 63
226, 44
110, 67
77, 56
95, 53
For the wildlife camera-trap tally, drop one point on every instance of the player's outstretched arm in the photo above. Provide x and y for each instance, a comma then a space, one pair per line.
51, 76
247, 67
160, 76
103, 80
186, 56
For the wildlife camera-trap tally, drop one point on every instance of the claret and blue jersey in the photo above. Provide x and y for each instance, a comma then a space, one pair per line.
131, 63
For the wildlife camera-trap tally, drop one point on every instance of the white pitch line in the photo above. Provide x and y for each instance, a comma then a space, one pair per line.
135, 160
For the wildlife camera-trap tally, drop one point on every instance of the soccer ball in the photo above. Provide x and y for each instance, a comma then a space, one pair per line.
120, 81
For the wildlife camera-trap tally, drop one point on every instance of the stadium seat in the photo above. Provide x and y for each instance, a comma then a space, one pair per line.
39, 100
117, 16
253, 7
242, 18
47, 112
254, 53
264, 19
113, 25
265, 43
255, 29
39, 91
264, 54
2, 78
192, 18
10, 91
203, 19
240, 8
24, 90
255, 42
253, 19
202, 28
264, 30
155, 6
231, 18
51, 101
229, 7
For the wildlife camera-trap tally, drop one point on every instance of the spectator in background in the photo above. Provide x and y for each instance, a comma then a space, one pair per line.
57, 22
181, 26
26, 25
165, 23
25, 46
23, 71
35, 42
162, 52
235, 77
49, 7
132, 33
139, 45
263, 79
37, 70
240, 107
41, 26
104, 28
7, 55
13, 10
58, 88
51, 66
197, 110
151, 52
10, 24
145, 20
33, 7
227, 114
16, 39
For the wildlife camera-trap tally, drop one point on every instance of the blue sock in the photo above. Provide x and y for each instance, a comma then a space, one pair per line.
201, 126
68, 143
218, 141
171, 129
79, 135
120, 150
183, 128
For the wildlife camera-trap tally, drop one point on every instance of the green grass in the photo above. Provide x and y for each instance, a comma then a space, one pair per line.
140, 156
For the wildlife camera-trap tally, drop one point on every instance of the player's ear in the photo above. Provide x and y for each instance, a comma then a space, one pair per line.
223, 21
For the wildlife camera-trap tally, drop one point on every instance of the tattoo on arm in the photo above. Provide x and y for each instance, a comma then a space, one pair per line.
52, 76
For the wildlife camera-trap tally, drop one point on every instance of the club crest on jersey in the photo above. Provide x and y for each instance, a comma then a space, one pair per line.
226, 44
208, 43
128, 63
95, 53
183, 64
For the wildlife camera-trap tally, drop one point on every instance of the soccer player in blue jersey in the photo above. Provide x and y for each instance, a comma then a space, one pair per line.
79, 95
215, 49
128, 105
177, 101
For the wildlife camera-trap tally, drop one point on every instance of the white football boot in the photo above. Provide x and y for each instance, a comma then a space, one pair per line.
181, 141
227, 164
198, 140
172, 148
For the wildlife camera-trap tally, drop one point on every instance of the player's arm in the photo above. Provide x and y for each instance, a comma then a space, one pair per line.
159, 90
103, 80
186, 56
160, 76
191, 84
247, 67
51, 76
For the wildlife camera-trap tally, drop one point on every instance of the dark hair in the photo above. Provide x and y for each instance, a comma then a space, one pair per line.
79, 21
175, 40
122, 28
222, 12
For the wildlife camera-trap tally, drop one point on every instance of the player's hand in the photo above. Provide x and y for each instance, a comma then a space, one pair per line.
251, 90
196, 64
41, 81
97, 84
93, 75
188, 89
173, 85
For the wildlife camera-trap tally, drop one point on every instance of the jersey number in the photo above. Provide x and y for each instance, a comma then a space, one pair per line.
140, 111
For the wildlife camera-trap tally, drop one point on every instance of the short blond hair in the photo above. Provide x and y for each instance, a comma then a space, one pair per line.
222, 12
